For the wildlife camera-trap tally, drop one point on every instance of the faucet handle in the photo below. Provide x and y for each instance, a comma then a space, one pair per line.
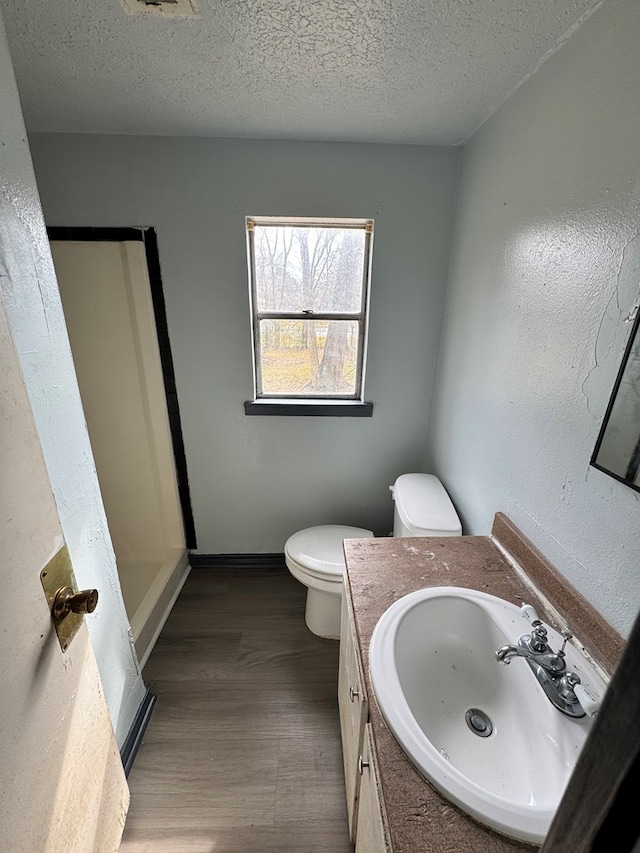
529, 613
567, 686
590, 705
539, 638
538, 631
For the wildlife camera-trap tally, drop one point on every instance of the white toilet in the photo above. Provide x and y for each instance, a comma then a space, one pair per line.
314, 556
423, 507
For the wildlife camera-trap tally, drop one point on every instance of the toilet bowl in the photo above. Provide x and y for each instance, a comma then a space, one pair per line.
314, 556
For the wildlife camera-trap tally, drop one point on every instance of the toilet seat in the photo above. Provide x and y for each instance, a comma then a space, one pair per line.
318, 550
314, 556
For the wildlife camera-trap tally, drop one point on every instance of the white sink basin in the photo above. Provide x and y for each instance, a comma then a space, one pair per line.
432, 661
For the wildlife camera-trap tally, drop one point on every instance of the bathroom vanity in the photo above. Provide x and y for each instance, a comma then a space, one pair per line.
392, 808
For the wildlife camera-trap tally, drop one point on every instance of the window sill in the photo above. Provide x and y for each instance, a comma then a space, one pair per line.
309, 409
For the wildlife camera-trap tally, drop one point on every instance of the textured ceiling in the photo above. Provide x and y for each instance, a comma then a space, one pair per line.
405, 71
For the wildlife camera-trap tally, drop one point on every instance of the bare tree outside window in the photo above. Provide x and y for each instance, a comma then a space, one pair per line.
309, 292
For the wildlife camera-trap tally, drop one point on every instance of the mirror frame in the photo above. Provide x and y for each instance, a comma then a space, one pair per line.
612, 400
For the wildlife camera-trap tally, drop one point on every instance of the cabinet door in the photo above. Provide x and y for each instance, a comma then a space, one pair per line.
371, 835
353, 705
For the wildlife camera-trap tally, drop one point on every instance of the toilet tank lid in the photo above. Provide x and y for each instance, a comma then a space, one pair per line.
320, 547
424, 505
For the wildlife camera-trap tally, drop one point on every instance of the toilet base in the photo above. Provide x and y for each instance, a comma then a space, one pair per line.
322, 613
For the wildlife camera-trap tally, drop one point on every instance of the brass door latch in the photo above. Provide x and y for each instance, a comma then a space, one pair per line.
66, 603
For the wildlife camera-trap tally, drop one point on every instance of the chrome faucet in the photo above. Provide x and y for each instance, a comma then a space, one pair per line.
549, 667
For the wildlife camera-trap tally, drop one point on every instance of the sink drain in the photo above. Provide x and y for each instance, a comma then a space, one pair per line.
478, 722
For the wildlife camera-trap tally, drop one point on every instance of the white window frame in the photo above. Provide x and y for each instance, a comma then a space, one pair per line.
335, 404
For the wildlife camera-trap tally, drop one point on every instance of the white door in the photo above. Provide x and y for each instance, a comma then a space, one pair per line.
62, 786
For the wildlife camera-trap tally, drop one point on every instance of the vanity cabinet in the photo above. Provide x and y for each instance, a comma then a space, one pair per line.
392, 805
354, 712
371, 835
364, 802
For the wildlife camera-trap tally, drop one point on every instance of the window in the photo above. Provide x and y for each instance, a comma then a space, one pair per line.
309, 285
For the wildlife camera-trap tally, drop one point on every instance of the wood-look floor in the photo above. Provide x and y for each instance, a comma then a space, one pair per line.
242, 754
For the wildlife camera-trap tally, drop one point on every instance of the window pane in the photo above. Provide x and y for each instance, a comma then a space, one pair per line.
309, 269
309, 357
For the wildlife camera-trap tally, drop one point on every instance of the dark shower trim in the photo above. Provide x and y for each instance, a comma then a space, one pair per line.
105, 235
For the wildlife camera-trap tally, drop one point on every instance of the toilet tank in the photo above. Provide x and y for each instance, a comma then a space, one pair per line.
423, 507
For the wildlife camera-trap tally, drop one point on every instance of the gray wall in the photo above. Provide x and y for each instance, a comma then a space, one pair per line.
544, 273
29, 291
256, 480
